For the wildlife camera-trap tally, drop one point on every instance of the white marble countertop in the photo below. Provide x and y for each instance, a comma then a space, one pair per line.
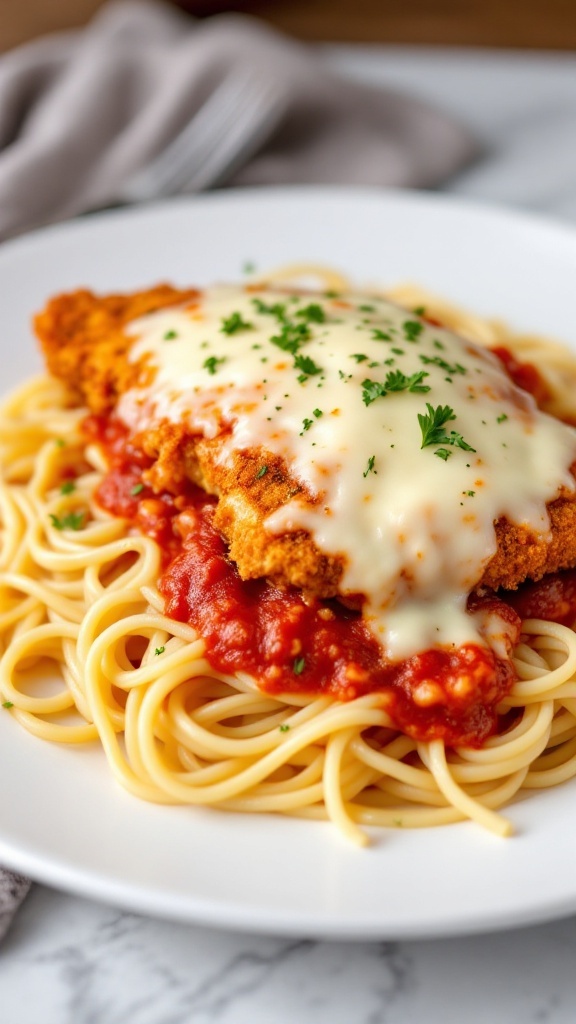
70, 961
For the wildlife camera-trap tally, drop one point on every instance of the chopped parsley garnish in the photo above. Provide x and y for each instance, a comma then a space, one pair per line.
71, 521
284, 727
307, 365
212, 363
291, 337
432, 426
469, 494
438, 361
159, 650
501, 418
359, 357
137, 489
248, 267
67, 487
379, 335
234, 323
371, 390
412, 329
370, 466
420, 310
443, 453
395, 381
261, 472
277, 309
299, 666
7, 704
318, 413
306, 424
170, 335
59, 442
367, 309
312, 314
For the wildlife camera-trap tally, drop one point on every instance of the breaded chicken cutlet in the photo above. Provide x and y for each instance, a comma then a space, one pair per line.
85, 343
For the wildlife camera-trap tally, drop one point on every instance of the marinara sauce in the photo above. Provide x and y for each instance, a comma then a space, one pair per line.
289, 643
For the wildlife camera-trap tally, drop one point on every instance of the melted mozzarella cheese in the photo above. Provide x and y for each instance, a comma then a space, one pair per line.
414, 524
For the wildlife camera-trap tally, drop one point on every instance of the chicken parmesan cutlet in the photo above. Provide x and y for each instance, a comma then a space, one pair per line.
188, 371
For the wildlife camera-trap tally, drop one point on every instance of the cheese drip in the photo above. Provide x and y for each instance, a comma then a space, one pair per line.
414, 524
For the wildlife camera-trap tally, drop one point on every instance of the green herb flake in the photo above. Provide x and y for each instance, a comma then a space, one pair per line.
59, 442
420, 311
412, 329
234, 323
318, 413
432, 425
469, 494
370, 466
299, 666
291, 337
277, 309
306, 424
395, 381
501, 418
367, 309
307, 365
212, 363
284, 727
438, 344
71, 521
359, 357
443, 453
137, 489
261, 472
312, 314
371, 390
7, 704
169, 335
447, 367
378, 335
248, 267
67, 487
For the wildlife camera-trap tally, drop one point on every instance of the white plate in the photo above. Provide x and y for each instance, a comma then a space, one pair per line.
62, 818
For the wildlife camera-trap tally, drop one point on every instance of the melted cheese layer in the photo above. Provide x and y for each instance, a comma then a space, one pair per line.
344, 389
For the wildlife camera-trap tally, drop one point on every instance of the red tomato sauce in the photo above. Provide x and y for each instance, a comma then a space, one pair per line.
287, 643
524, 375
552, 598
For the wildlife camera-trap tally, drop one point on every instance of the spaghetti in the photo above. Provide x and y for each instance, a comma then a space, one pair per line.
80, 607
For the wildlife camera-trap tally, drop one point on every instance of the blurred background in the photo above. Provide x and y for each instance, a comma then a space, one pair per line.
531, 24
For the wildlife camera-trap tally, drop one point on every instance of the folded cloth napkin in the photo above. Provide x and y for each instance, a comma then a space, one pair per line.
147, 102
13, 889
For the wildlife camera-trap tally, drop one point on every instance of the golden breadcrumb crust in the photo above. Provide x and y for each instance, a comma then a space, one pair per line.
85, 345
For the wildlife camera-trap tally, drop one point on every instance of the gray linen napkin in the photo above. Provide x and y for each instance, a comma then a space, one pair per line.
123, 111
13, 889
118, 113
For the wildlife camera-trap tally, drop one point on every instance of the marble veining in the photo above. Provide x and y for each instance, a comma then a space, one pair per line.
71, 961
